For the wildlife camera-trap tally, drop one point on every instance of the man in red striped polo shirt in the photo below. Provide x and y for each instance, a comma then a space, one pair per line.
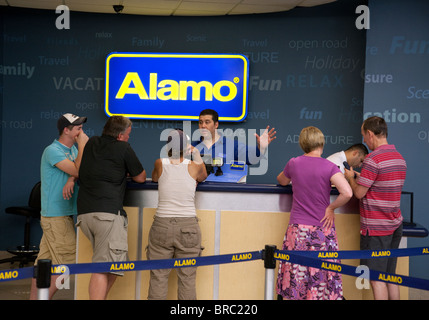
379, 189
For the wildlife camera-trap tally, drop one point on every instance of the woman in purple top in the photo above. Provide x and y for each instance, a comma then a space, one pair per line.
311, 225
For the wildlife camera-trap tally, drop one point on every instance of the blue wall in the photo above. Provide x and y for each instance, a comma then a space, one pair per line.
307, 67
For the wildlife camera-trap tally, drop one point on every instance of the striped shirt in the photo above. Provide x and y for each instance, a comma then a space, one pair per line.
383, 172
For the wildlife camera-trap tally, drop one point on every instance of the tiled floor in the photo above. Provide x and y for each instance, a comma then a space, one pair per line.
20, 289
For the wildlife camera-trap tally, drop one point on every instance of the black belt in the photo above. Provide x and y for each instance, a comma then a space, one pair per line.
119, 213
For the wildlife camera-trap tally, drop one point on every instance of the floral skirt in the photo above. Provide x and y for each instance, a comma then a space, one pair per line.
296, 282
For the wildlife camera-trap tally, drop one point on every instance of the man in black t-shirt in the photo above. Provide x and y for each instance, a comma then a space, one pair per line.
106, 163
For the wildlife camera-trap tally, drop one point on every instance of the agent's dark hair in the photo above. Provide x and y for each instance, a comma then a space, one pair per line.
210, 112
376, 125
359, 147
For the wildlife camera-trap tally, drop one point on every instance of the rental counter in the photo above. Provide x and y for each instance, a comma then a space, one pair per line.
234, 218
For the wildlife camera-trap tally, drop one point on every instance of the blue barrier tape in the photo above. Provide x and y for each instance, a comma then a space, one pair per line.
101, 267
293, 257
308, 258
16, 274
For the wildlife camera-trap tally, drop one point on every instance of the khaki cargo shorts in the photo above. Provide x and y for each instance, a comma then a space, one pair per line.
108, 234
58, 242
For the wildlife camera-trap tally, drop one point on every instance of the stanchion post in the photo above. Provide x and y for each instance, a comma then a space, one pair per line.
43, 278
270, 265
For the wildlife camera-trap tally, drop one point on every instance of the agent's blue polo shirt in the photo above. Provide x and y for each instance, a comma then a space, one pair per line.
229, 150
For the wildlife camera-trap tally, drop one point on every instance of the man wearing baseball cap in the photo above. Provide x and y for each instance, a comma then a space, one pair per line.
59, 169
69, 119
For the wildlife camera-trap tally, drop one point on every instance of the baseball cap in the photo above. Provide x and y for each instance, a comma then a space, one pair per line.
69, 119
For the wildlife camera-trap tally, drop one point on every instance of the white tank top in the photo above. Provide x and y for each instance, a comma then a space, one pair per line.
176, 190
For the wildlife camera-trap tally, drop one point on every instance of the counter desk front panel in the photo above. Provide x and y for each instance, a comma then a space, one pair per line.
233, 219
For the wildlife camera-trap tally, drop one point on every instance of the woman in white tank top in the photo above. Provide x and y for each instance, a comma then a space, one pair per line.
176, 190
175, 232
